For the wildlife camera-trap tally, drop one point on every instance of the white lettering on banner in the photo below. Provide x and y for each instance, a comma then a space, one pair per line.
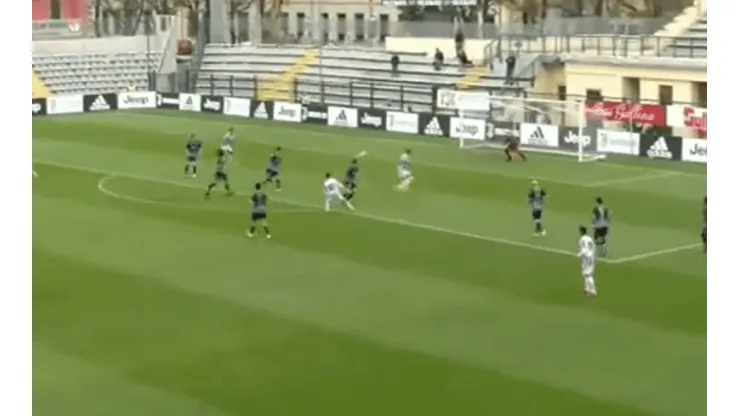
543, 135
287, 112
464, 100
237, 106
211, 104
35, 108
402, 122
65, 104
467, 128
342, 116
694, 150
621, 142
140, 99
573, 138
687, 116
190, 102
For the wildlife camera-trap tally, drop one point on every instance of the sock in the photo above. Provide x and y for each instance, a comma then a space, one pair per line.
210, 187
508, 155
327, 204
187, 168
267, 230
278, 185
251, 229
195, 170
349, 205
538, 227
228, 188
522, 155
590, 285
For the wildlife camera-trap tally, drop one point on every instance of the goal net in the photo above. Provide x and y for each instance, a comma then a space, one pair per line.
541, 126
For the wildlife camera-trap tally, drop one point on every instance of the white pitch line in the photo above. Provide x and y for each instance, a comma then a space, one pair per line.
316, 206
655, 253
631, 179
35, 175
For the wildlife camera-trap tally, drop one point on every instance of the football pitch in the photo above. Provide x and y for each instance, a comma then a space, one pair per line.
149, 300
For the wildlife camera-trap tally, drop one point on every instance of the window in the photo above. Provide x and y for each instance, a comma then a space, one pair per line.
631, 89
359, 26
701, 94
665, 94
384, 27
325, 26
56, 9
562, 92
594, 95
300, 24
341, 26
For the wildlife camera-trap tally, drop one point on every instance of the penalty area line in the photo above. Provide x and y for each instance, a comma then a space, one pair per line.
318, 208
656, 253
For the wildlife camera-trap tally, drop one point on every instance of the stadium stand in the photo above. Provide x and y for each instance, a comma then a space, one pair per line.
347, 74
692, 43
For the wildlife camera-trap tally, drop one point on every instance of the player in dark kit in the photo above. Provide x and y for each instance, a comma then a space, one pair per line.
704, 226
221, 175
512, 146
259, 211
274, 169
192, 154
350, 180
537, 197
600, 221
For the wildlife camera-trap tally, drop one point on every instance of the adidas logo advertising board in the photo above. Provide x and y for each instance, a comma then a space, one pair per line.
262, 109
342, 116
467, 128
401, 122
542, 135
371, 119
661, 147
614, 141
190, 102
433, 127
237, 106
168, 100
211, 104
99, 102
694, 150
137, 99
284, 111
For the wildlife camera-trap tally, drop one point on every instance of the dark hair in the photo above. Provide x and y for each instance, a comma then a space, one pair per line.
327, 175
599, 200
583, 230
258, 186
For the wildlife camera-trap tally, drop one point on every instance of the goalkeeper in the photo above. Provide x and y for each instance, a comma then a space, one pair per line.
511, 145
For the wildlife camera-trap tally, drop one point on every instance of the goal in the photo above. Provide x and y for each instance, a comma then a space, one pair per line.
541, 126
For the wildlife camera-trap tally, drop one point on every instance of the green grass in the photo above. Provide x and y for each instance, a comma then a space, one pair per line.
149, 300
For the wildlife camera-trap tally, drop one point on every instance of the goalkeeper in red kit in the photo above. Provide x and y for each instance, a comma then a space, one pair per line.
512, 146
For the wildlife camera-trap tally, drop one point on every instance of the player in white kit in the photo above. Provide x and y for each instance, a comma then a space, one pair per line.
404, 171
333, 191
227, 143
587, 253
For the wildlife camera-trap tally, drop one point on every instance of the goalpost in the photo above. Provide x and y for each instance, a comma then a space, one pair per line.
541, 126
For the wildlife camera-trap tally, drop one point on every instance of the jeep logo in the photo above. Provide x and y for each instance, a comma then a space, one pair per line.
286, 112
699, 150
212, 105
35, 108
573, 138
133, 99
467, 128
369, 120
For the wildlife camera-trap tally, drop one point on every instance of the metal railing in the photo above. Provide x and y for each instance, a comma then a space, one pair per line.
599, 45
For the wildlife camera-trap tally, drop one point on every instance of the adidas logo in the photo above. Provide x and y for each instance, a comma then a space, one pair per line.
433, 128
659, 150
341, 119
100, 104
261, 112
537, 137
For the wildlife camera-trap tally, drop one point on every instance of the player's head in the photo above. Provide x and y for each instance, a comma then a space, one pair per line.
327, 175
221, 152
278, 149
192, 136
257, 186
354, 161
599, 200
408, 151
231, 129
535, 184
582, 230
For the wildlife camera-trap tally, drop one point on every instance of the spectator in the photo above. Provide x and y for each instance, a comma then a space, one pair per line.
395, 60
463, 57
510, 65
439, 59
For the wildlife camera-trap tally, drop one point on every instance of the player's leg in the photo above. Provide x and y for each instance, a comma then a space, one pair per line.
278, 183
406, 179
188, 165
350, 192
539, 230
269, 176
227, 186
600, 241
194, 167
259, 219
521, 154
340, 198
507, 152
589, 284
328, 199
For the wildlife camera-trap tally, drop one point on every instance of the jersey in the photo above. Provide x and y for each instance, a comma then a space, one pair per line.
587, 254
332, 187
192, 149
404, 166
259, 206
229, 139
601, 217
275, 164
537, 199
350, 180
222, 164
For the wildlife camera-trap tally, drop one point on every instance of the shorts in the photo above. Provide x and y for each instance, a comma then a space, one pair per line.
259, 216
221, 177
600, 234
272, 174
587, 272
536, 215
334, 195
192, 159
404, 174
512, 147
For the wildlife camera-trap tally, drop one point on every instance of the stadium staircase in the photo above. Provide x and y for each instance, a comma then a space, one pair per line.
38, 88
281, 88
